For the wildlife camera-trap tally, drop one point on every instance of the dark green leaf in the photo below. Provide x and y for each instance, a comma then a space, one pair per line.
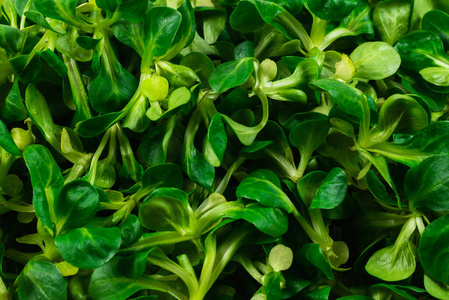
312, 253
59, 10
437, 21
130, 230
215, 141
433, 249
14, 110
97, 125
54, 62
334, 10
75, 205
272, 285
6, 140
332, 191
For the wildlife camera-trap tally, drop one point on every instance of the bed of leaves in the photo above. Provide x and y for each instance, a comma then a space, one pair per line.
226, 149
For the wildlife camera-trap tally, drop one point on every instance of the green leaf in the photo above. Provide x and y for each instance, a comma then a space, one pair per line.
437, 21
130, 230
114, 86
312, 253
87, 42
332, 191
39, 112
319, 294
427, 185
11, 39
215, 141
154, 146
271, 221
75, 205
231, 74
67, 45
27, 67
433, 248
436, 75
435, 288
245, 17
99, 124
265, 187
130, 34
421, 49
59, 10
163, 175
167, 209
400, 114
14, 110
392, 263
425, 143
333, 10
46, 180
307, 136
197, 167
39, 19
120, 278
160, 27
41, 280
382, 291
347, 98
200, 64
131, 10
185, 33
272, 285
375, 61
6, 140
309, 184
377, 188
54, 62
391, 19
88, 248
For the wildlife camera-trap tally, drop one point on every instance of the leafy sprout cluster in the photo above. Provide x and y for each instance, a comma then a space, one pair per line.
252, 149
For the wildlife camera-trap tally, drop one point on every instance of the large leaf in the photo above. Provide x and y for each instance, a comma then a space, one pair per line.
41, 280
231, 74
265, 187
75, 205
89, 248
334, 10
332, 191
46, 180
433, 249
391, 19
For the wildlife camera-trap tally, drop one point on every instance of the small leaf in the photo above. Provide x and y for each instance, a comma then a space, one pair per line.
332, 191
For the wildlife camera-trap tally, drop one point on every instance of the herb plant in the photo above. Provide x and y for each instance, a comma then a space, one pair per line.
199, 149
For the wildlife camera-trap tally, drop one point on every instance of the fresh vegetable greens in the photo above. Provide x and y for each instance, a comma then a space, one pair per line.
231, 149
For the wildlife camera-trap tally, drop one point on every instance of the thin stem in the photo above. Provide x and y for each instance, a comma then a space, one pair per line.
224, 182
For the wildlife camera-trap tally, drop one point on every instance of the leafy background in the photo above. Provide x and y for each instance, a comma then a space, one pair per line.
251, 149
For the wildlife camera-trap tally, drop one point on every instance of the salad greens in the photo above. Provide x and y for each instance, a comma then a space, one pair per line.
231, 149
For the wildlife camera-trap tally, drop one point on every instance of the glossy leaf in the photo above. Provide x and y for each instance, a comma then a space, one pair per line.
215, 141
162, 207
197, 167
160, 27
332, 191
421, 49
130, 230
75, 205
6, 140
163, 175
119, 278
41, 280
272, 285
271, 221
432, 249
46, 180
130, 34
334, 10
60, 10
231, 74
99, 124
54, 62
14, 110
265, 187
437, 21
312, 253
131, 10
89, 248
